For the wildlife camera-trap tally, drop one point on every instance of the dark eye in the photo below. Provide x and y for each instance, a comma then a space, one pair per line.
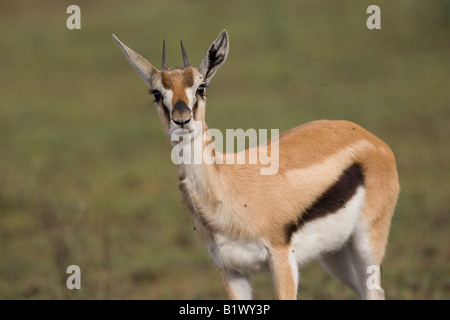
201, 90
157, 94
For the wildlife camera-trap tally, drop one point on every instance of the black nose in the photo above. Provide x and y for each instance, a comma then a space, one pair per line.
181, 114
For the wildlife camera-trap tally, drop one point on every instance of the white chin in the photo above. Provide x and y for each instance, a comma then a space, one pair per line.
181, 130
190, 126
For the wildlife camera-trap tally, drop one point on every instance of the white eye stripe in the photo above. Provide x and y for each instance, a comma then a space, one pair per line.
167, 96
191, 97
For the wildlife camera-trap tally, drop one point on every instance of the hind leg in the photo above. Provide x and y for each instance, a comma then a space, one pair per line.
368, 263
354, 265
340, 264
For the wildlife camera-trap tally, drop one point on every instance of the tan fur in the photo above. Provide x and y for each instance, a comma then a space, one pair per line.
304, 175
230, 292
177, 80
285, 285
260, 206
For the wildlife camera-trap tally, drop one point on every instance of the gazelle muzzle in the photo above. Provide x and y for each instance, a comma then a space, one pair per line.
181, 114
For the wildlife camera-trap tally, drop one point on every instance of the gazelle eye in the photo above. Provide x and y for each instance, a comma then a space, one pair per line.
157, 94
201, 90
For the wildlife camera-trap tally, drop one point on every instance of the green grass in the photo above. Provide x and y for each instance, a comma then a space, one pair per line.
85, 170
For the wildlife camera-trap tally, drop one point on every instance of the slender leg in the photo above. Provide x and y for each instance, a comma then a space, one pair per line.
238, 285
341, 265
367, 264
284, 273
354, 266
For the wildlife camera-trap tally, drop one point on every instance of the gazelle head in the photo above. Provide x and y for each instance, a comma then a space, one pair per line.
180, 92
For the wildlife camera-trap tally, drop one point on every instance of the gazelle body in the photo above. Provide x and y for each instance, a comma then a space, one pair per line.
332, 198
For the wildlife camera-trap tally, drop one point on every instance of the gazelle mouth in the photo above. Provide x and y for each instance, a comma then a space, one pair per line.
182, 123
188, 125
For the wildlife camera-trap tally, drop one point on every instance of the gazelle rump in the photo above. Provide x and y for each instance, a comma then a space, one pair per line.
332, 198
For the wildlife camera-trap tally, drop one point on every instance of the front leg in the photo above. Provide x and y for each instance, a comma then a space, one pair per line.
284, 272
237, 284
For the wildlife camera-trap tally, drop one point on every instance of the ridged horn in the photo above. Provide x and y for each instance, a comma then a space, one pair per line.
185, 58
164, 57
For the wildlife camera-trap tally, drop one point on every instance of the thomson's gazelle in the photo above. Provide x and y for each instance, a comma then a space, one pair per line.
332, 198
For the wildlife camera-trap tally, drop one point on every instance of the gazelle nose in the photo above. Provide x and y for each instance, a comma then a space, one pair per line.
181, 114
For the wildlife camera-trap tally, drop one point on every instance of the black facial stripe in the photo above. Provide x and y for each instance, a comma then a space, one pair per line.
166, 111
195, 110
333, 199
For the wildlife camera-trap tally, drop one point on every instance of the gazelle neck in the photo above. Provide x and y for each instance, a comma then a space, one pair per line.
199, 177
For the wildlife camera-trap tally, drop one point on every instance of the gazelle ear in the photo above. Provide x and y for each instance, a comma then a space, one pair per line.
215, 56
141, 65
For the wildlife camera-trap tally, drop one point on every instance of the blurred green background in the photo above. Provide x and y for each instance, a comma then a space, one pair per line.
85, 170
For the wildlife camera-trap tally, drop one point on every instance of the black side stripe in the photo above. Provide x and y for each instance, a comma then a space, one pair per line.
333, 199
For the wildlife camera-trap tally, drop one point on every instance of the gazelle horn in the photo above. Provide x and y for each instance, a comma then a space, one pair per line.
164, 58
185, 58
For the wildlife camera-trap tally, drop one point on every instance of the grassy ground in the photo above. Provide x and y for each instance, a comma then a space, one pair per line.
85, 170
